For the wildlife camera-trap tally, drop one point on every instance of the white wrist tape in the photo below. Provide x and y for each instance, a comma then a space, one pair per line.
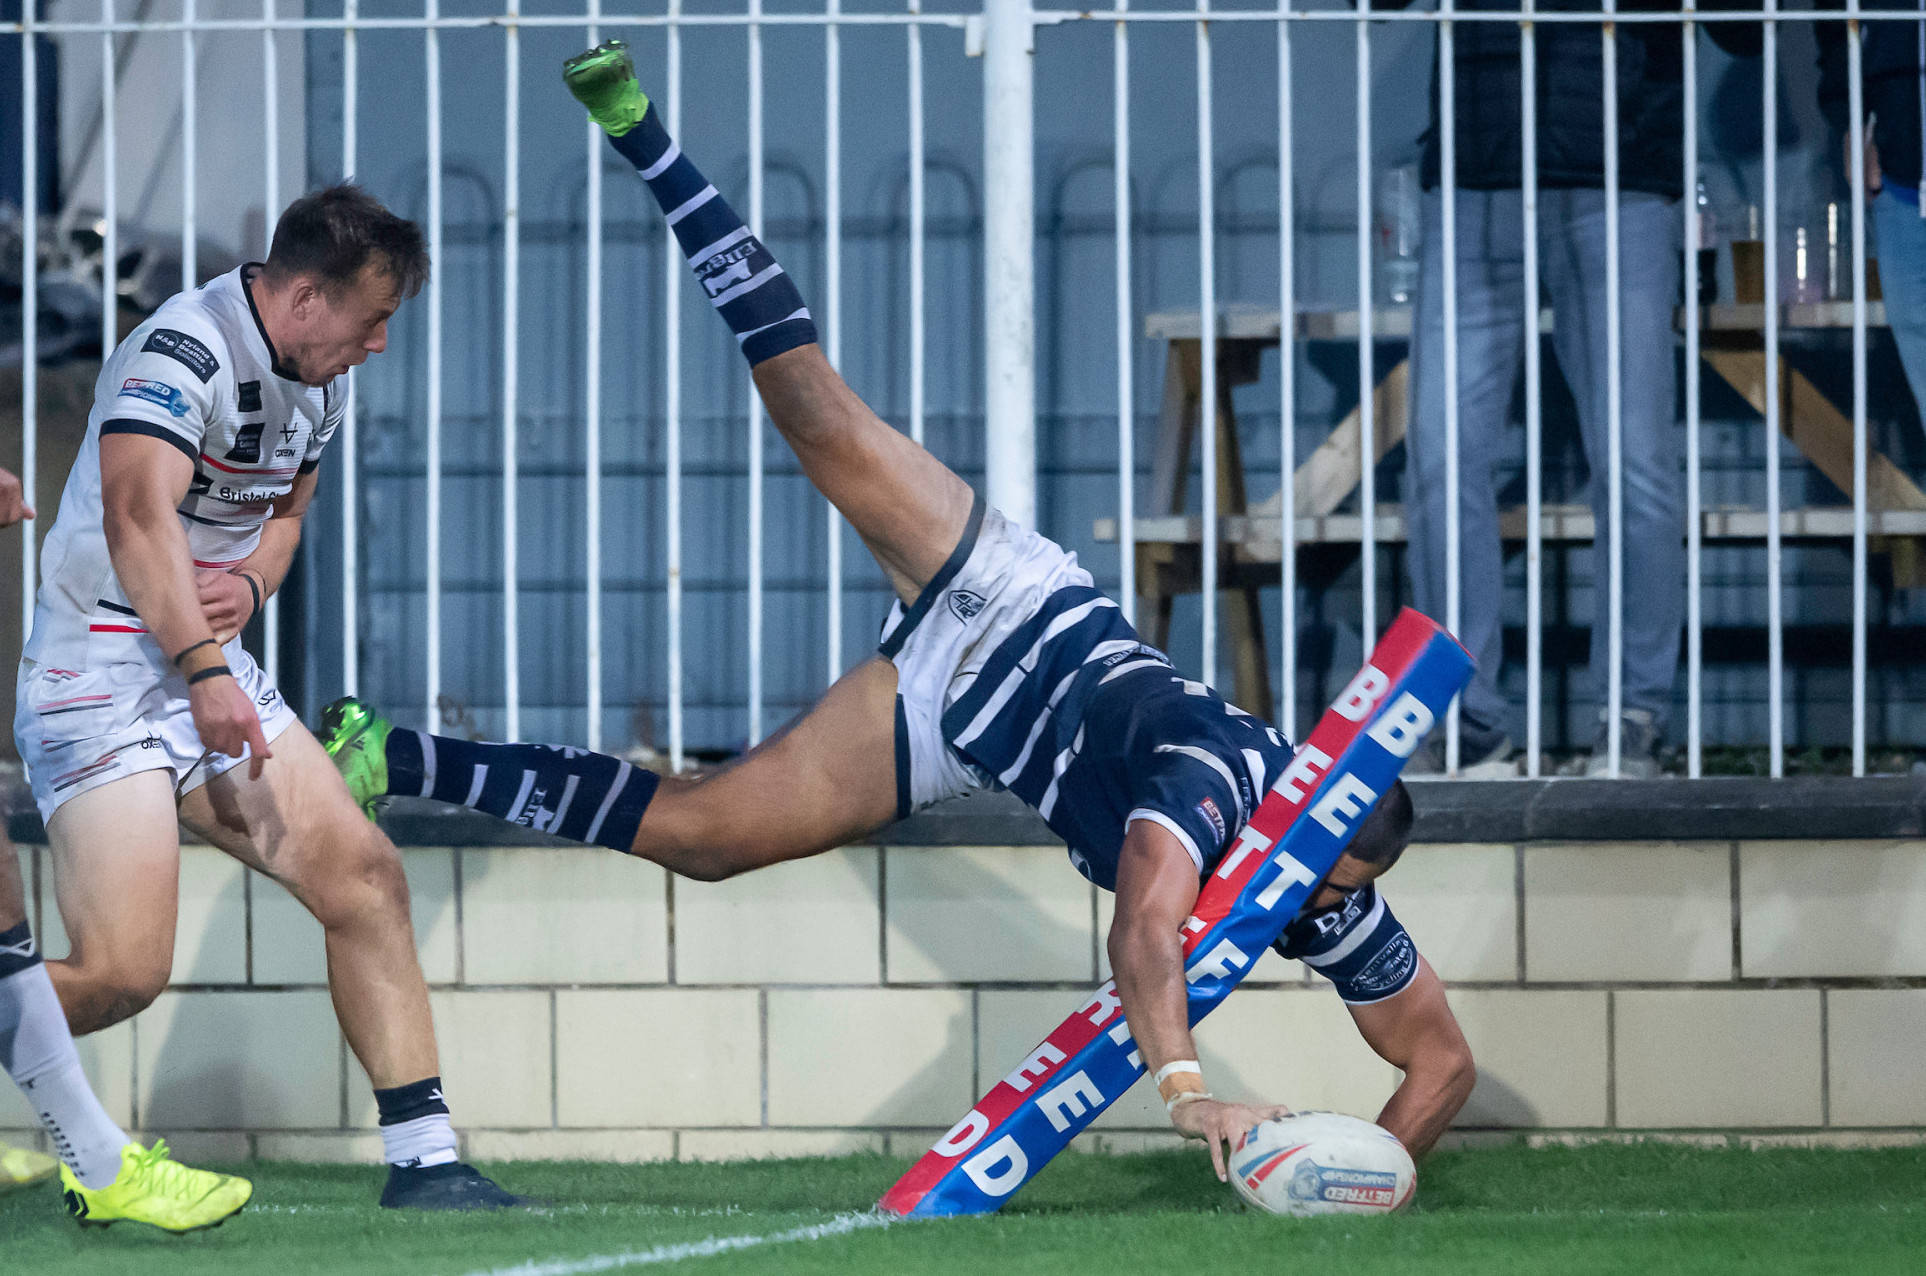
1182, 1097
1178, 1065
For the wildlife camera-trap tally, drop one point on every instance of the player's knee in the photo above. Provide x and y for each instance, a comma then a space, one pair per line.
107, 994
365, 879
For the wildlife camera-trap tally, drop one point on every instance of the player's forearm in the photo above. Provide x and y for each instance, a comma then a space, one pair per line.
1149, 970
274, 556
151, 558
1424, 1104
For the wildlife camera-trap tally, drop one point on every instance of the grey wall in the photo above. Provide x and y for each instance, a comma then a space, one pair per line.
1076, 374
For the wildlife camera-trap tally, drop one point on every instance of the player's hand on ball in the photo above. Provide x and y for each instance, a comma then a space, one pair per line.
226, 601
13, 503
1220, 1125
227, 722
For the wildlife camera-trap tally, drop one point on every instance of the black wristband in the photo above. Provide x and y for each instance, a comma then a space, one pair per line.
212, 671
194, 646
254, 589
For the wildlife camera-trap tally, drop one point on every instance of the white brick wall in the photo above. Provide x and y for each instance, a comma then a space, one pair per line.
587, 1006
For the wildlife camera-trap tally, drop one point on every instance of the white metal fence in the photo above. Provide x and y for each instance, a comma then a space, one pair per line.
1002, 34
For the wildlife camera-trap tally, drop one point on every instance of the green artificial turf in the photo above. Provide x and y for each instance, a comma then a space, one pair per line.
1608, 1208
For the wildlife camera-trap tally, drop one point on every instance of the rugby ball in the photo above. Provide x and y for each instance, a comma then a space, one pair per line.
1314, 1163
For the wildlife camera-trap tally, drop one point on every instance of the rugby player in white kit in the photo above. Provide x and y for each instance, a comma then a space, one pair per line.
137, 703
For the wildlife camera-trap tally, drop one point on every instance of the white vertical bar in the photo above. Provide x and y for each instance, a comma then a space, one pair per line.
511, 369
672, 398
1614, 410
1009, 262
1126, 391
918, 311
270, 208
833, 313
432, 36
1534, 408
756, 601
1287, 389
1207, 311
1855, 113
29, 300
1454, 478
1775, 612
190, 147
350, 465
1694, 532
1367, 379
109, 189
592, 406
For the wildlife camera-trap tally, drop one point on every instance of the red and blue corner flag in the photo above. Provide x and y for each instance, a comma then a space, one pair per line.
1293, 838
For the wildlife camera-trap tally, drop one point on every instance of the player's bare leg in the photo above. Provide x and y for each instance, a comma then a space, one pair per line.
823, 781
909, 508
106, 1177
297, 825
116, 861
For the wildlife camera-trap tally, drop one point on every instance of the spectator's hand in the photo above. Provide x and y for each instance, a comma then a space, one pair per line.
1874, 179
13, 505
226, 601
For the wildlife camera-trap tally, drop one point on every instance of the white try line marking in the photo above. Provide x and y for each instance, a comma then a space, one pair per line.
841, 1225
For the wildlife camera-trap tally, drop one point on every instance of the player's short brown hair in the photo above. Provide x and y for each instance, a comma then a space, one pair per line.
333, 233
1386, 832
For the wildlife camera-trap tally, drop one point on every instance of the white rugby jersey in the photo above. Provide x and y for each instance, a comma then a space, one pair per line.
200, 376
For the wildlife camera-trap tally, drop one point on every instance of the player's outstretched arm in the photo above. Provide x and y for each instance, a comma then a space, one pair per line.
1416, 1031
1156, 889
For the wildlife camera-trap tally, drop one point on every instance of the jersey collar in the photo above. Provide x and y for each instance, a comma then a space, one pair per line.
247, 290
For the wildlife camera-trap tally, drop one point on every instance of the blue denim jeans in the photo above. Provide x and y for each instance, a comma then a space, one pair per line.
1902, 281
1491, 348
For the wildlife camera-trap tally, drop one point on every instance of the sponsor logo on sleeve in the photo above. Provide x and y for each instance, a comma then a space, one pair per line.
1387, 972
249, 393
1208, 809
185, 350
727, 268
155, 392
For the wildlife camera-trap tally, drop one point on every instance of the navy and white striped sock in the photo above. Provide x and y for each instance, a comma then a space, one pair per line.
744, 282
570, 793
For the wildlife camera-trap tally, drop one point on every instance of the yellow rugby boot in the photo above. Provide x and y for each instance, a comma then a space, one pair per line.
24, 1167
155, 1189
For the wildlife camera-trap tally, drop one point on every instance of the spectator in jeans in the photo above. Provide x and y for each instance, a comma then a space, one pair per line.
1492, 333
1891, 67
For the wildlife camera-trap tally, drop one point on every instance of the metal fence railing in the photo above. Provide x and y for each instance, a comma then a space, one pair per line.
1002, 33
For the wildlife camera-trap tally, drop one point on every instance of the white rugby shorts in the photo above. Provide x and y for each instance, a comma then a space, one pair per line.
78, 729
995, 580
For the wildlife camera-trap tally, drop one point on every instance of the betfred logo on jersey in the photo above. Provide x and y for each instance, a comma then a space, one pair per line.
155, 392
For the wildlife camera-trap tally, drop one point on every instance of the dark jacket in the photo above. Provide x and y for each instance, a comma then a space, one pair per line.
1890, 66
1570, 90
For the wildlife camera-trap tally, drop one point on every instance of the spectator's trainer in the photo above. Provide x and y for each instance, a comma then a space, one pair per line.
136, 699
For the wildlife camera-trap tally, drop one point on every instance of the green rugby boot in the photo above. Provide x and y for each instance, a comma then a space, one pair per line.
603, 80
155, 1189
356, 737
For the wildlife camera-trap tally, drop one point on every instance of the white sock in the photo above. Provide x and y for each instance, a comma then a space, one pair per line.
38, 1053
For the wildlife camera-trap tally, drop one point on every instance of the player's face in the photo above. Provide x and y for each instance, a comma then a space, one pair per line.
340, 332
